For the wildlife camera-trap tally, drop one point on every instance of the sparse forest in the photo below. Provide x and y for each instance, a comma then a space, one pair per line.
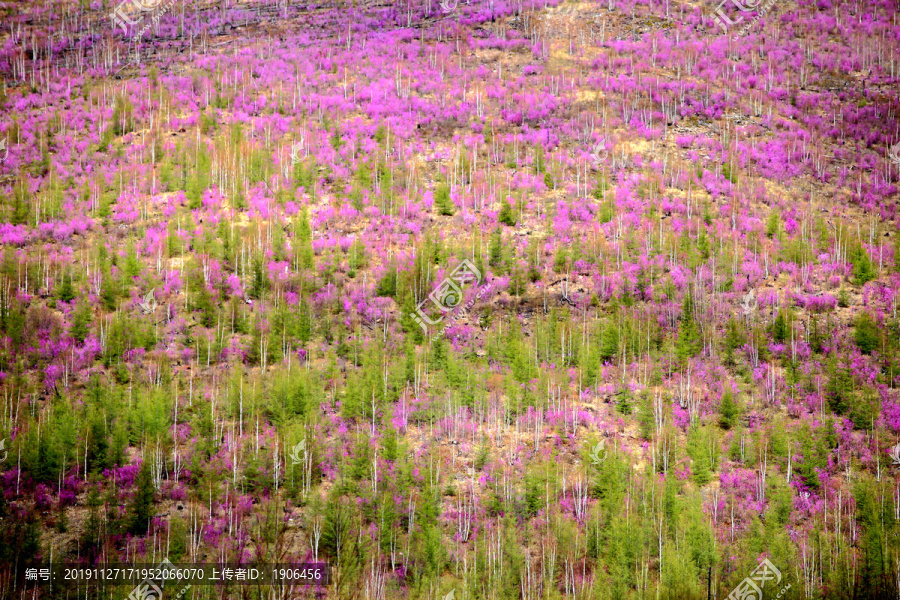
234, 326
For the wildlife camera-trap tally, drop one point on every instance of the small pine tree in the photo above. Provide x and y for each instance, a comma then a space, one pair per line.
843, 297
781, 328
203, 302
734, 339
625, 402
260, 281
303, 233
699, 453
238, 201
482, 454
517, 281
816, 335
336, 526
897, 251
866, 334
194, 193
534, 492
389, 448
177, 539
412, 328
561, 260
864, 409
839, 389
689, 342
609, 343
728, 173
772, 224
442, 201
645, 415
132, 266
876, 574
140, 509
66, 290
90, 538
703, 245
81, 321
728, 410
495, 251
109, 290
505, 215
336, 140
863, 270
387, 285
62, 521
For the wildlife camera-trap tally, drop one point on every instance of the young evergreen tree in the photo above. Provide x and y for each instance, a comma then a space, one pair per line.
495, 250
90, 537
689, 341
387, 285
140, 508
442, 202
506, 215
66, 291
866, 334
772, 225
109, 290
734, 339
698, 450
781, 328
840, 388
561, 260
260, 281
863, 269
609, 342
81, 321
728, 410
875, 579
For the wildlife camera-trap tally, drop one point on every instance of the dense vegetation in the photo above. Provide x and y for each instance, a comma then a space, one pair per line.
679, 360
